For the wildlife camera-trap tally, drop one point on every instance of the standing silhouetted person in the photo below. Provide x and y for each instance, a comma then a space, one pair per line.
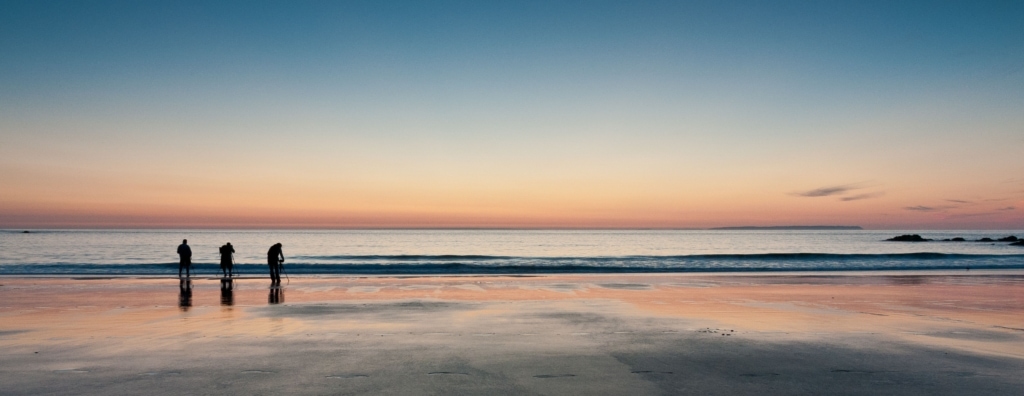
227, 262
275, 259
185, 253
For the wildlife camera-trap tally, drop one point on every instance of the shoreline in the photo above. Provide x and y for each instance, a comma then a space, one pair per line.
780, 273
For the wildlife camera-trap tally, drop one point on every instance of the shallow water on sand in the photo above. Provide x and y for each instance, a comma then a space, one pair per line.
896, 333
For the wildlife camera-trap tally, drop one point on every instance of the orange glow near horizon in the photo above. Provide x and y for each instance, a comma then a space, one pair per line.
578, 206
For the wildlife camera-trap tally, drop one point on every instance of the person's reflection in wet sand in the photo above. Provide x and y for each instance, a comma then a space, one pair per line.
185, 294
227, 292
276, 295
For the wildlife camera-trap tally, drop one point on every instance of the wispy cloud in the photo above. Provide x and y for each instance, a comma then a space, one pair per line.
962, 215
920, 208
1007, 208
862, 196
840, 191
959, 201
827, 191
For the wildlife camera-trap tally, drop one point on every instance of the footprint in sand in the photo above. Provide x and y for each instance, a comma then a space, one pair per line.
446, 373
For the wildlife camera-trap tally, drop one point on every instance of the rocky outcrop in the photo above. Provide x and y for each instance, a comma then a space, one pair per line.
908, 238
1018, 243
918, 238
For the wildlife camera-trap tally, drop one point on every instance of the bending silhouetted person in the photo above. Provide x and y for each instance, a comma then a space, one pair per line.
185, 253
227, 262
275, 259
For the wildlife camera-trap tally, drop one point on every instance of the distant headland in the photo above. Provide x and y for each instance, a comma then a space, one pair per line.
775, 228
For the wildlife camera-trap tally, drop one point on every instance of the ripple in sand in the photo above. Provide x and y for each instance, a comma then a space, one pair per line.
845, 371
419, 287
71, 371
759, 374
626, 286
446, 373
562, 288
155, 373
256, 372
554, 375
347, 376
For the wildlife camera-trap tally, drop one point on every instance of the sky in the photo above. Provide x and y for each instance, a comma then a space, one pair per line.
520, 114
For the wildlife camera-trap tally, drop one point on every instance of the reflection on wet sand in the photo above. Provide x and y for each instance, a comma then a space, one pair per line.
227, 292
276, 295
185, 294
635, 334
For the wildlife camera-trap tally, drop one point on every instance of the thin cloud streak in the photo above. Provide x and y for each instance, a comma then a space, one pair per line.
828, 191
967, 215
920, 208
862, 196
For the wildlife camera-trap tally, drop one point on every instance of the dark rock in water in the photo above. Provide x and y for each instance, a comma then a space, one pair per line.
908, 238
25, 232
1010, 238
958, 239
1018, 243
985, 240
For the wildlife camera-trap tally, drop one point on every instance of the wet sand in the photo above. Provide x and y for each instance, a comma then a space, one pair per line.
892, 333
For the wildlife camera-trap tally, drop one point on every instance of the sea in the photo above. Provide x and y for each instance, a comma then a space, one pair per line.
418, 252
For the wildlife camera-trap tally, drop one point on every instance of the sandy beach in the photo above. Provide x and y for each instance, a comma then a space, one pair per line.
849, 333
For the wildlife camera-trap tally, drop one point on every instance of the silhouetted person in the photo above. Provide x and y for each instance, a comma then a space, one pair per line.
185, 253
185, 294
275, 259
227, 292
227, 261
276, 296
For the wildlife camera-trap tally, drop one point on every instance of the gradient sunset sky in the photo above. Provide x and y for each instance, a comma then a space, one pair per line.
340, 114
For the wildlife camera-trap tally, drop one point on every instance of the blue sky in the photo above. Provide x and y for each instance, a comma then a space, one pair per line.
699, 110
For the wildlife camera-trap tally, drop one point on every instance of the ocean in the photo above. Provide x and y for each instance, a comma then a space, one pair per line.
340, 252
